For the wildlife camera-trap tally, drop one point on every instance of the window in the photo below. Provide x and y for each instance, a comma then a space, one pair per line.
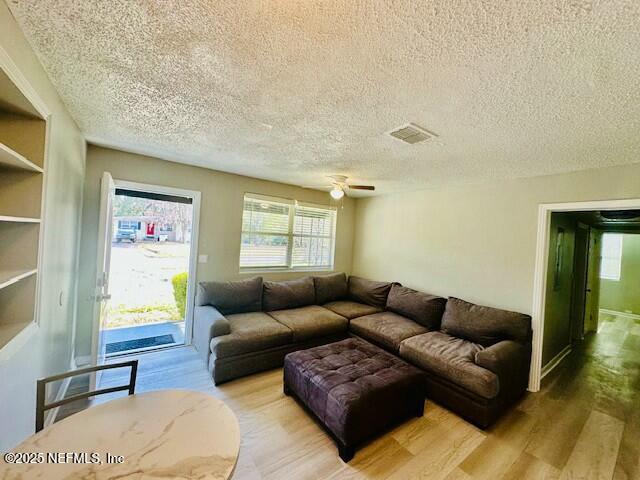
129, 225
611, 256
286, 234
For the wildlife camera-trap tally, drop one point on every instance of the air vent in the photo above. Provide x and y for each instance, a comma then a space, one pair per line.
412, 133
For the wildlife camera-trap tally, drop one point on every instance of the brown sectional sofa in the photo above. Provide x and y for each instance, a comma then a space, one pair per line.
476, 358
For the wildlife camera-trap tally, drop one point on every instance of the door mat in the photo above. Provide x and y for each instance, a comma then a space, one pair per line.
147, 342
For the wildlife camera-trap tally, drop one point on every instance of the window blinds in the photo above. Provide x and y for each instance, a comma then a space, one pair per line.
279, 233
312, 237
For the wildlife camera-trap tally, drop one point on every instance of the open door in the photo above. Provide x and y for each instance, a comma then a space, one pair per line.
592, 300
105, 235
580, 272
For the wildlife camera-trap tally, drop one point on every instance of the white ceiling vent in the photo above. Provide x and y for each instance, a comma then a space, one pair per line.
412, 133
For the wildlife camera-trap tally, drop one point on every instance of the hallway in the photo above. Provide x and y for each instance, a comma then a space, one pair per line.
602, 376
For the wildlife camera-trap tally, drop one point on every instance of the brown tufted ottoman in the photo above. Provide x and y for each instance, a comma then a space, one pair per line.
355, 389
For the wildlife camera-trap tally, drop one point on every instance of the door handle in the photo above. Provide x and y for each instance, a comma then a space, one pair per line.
103, 296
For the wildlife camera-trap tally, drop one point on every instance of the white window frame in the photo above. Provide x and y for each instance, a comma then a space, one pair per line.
615, 276
291, 236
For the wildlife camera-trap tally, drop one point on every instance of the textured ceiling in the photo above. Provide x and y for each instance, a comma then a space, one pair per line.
292, 90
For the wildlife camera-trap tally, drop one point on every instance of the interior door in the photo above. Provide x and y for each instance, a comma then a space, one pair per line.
557, 318
105, 236
592, 301
580, 270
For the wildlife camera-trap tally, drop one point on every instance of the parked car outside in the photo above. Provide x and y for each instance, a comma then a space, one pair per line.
126, 234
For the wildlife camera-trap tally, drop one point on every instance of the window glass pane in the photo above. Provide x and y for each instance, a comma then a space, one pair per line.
263, 250
264, 216
311, 252
611, 256
313, 221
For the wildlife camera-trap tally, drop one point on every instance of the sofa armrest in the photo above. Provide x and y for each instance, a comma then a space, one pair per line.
501, 357
510, 361
208, 322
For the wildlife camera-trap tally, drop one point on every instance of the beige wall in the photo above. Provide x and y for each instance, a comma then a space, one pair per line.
49, 350
624, 295
220, 218
477, 242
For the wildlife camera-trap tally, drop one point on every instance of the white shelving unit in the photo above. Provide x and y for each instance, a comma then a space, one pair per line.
22, 170
12, 159
5, 218
10, 277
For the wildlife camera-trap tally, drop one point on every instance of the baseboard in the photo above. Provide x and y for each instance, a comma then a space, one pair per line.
51, 415
555, 361
635, 316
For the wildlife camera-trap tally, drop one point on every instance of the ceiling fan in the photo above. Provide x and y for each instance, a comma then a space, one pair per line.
339, 186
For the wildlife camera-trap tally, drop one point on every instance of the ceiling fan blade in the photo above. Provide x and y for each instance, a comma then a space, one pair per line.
338, 178
361, 187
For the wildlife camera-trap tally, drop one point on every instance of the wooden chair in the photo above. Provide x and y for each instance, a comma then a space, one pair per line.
42, 407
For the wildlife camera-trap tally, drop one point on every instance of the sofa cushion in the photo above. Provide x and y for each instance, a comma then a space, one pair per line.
288, 294
368, 291
250, 332
349, 309
484, 325
452, 359
386, 329
232, 297
330, 288
310, 322
424, 308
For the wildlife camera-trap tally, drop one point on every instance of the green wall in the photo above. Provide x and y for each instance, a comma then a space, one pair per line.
624, 295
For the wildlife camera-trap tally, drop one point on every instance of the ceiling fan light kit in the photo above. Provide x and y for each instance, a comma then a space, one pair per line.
339, 186
336, 193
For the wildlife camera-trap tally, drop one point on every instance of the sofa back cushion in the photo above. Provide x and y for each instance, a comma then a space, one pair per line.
232, 297
289, 294
423, 308
330, 288
484, 325
368, 291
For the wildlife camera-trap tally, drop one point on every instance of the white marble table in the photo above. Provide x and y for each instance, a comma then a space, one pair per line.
169, 434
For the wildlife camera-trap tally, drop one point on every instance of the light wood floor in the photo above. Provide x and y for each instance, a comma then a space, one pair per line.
585, 423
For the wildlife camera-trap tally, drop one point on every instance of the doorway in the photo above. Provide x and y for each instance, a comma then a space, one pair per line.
567, 283
571, 296
146, 268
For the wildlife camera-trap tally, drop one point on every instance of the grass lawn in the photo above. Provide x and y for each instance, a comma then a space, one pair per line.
140, 282
121, 316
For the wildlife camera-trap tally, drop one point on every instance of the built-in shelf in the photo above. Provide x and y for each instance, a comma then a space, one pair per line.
13, 338
9, 158
8, 331
8, 218
10, 277
23, 131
